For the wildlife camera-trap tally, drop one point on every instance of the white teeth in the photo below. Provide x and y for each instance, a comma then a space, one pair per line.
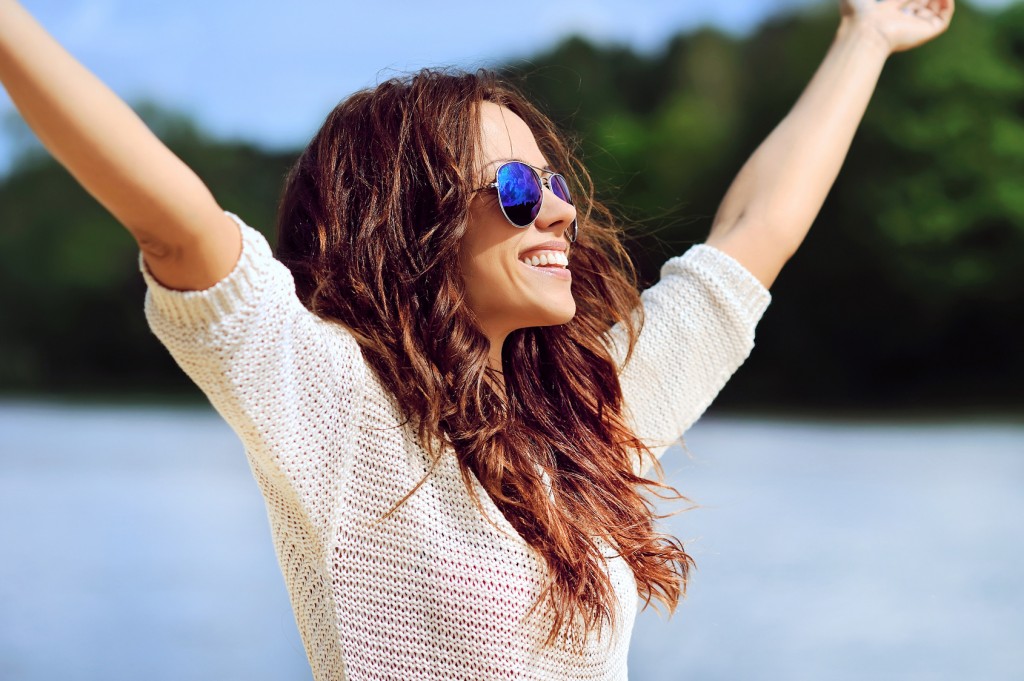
547, 258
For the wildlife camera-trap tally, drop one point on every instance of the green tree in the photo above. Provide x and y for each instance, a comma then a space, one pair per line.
71, 295
908, 292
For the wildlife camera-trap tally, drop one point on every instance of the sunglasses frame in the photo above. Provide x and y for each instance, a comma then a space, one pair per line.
543, 181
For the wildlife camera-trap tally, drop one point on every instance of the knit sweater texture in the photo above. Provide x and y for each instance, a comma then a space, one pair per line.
435, 592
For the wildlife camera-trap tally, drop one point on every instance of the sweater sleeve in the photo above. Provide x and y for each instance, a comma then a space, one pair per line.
698, 329
285, 380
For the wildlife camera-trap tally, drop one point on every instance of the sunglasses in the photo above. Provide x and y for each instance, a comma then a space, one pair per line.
521, 192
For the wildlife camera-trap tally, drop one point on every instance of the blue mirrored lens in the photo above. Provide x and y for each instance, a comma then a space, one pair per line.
519, 191
560, 188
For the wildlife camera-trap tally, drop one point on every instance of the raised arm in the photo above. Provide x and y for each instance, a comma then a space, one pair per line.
773, 201
188, 241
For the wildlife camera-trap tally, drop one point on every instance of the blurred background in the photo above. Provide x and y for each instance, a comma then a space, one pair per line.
861, 476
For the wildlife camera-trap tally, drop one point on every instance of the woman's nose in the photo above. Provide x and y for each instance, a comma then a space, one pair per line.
555, 214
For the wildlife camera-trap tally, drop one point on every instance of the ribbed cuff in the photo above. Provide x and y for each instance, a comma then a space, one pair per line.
230, 295
721, 267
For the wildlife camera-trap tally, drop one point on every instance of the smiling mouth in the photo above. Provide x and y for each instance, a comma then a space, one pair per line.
546, 259
556, 271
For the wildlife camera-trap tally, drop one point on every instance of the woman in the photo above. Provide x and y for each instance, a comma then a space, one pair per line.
448, 385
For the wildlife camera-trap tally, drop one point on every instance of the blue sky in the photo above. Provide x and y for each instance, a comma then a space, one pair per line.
270, 71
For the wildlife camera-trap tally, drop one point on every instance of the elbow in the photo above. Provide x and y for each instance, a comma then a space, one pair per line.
750, 233
153, 246
760, 248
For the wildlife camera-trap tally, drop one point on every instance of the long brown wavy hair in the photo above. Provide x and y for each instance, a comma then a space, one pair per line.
370, 223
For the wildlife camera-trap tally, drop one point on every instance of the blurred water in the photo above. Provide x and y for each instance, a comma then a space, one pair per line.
135, 545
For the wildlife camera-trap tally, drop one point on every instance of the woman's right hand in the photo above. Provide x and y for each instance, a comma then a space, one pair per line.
187, 240
902, 24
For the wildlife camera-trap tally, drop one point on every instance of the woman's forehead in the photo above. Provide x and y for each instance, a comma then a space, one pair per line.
504, 135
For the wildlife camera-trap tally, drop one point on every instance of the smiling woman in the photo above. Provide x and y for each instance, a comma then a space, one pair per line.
450, 398
499, 365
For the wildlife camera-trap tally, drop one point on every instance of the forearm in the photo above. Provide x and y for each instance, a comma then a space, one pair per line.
781, 188
91, 132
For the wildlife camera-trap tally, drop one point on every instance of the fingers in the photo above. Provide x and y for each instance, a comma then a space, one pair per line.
939, 7
933, 11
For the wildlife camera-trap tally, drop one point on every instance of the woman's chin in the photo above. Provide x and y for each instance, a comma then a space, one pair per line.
556, 316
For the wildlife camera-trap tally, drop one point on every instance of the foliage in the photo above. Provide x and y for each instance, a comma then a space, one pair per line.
71, 296
908, 293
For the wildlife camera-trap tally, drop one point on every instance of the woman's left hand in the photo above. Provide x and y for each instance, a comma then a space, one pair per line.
903, 23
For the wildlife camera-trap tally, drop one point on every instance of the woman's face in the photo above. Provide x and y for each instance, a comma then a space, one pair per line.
504, 292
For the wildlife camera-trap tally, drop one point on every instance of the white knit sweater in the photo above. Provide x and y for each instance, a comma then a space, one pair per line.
434, 592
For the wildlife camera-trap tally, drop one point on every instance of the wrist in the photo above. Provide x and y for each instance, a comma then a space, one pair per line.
863, 33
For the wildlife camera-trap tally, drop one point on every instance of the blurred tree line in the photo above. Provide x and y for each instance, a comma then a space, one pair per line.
908, 293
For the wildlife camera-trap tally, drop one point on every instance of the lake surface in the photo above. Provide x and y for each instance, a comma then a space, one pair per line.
135, 545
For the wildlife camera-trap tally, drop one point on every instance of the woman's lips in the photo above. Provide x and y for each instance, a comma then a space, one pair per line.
556, 272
